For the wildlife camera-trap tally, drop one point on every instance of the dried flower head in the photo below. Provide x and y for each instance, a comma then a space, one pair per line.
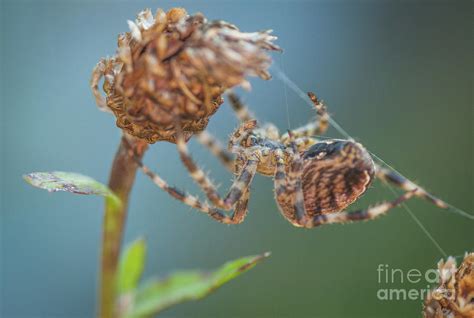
172, 68
454, 297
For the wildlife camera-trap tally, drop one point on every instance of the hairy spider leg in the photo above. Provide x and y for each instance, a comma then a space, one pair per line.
214, 145
302, 135
303, 143
314, 128
241, 182
359, 215
239, 134
240, 208
407, 185
217, 149
288, 190
241, 111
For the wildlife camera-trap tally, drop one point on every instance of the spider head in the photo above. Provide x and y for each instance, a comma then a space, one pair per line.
335, 173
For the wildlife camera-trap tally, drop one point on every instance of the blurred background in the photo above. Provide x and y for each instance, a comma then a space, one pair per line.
397, 75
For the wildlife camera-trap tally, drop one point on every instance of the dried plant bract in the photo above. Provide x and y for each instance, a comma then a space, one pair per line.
454, 297
172, 68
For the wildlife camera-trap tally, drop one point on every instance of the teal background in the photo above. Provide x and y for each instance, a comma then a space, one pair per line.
397, 75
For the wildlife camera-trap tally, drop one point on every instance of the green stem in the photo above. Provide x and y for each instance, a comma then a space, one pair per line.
121, 180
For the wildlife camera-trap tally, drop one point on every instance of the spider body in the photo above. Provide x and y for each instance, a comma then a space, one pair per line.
329, 175
257, 139
344, 169
314, 181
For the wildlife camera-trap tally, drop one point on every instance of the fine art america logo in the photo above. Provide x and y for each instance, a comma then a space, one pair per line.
410, 281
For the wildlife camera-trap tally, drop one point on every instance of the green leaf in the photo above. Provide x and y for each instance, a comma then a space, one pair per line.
69, 182
158, 295
131, 266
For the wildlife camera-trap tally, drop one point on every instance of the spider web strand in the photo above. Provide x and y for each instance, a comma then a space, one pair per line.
418, 222
286, 96
292, 85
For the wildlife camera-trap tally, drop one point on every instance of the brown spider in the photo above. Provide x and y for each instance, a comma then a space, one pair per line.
313, 179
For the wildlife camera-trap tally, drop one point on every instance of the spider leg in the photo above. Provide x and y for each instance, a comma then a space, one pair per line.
313, 128
359, 215
398, 180
241, 111
237, 216
303, 143
217, 149
240, 185
224, 155
240, 209
238, 135
248, 122
288, 190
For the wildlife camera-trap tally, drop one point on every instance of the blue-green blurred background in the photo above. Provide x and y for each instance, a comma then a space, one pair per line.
396, 74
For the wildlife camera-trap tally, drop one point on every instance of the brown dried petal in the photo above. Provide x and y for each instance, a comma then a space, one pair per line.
454, 297
173, 68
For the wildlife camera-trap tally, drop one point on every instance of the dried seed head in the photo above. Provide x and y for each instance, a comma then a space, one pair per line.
454, 297
172, 68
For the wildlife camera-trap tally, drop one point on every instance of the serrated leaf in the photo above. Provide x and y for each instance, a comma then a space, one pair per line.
131, 266
69, 182
158, 295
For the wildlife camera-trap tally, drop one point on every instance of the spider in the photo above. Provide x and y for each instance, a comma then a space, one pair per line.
314, 180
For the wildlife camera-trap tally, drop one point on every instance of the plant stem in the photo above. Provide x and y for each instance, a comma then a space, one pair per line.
122, 176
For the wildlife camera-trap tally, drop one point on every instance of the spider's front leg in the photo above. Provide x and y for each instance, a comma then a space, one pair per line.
240, 184
240, 206
217, 149
244, 116
241, 111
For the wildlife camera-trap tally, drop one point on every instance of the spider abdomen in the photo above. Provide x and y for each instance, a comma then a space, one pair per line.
335, 174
